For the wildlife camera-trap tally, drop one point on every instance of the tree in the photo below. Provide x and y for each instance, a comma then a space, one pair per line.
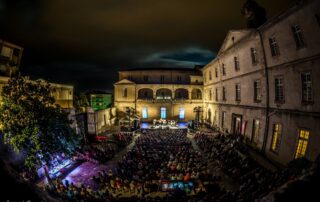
255, 14
32, 123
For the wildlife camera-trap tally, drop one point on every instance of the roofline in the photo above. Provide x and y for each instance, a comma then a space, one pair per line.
160, 68
3, 42
282, 15
297, 5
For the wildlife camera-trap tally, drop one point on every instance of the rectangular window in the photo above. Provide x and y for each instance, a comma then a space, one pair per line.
276, 138
210, 76
254, 58
255, 131
181, 113
162, 78
144, 112
163, 113
302, 143
274, 47
298, 37
223, 69
257, 90
306, 82
223, 117
179, 78
238, 92
318, 19
6, 52
145, 78
224, 98
216, 72
279, 89
236, 64
210, 94
125, 92
217, 94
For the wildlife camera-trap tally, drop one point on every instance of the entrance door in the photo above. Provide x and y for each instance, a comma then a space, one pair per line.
163, 113
236, 124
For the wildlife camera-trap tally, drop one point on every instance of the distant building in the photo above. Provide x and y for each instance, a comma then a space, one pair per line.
63, 95
10, 57
159, 93
263, 84
99, 101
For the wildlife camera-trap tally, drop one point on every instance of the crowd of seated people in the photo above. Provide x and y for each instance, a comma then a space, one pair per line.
231, 156
102, 152
168, 156
96, 153
157, 156
123, 138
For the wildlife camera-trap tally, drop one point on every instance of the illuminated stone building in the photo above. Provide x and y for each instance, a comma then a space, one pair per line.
263, 84
165, 93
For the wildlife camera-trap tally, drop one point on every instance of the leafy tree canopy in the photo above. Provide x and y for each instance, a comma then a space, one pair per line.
32, 123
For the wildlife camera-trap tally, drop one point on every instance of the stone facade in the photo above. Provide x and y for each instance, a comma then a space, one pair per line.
263, 84
174, 91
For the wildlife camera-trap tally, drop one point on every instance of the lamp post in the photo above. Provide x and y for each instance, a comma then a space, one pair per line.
197, 110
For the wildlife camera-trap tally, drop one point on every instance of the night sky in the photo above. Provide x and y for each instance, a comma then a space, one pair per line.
85, 42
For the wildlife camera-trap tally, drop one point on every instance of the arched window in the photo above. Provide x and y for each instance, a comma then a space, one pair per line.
163, 93
145, 94
181, 94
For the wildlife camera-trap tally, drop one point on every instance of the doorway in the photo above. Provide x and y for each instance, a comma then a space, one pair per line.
236, 124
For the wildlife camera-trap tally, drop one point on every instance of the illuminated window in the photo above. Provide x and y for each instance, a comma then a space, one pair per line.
298, 37
181, 113
125, 92
144, 112
255, 131
276, 137
302, 143
163, 113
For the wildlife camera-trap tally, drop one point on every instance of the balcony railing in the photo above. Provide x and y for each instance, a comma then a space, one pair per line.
177, 100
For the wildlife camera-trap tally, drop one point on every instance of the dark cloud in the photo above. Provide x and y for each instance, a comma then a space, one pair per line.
87, 42
188, 57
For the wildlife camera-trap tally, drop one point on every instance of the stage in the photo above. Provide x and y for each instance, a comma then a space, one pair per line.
181, 125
